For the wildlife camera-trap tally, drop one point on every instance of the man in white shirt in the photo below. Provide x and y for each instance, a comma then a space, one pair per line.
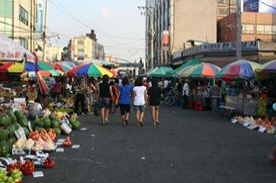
185, 94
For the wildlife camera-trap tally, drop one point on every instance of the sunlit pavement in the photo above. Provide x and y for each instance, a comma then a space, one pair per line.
187, 146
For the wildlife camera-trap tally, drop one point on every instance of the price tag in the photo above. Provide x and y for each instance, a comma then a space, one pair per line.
38, 174
76, 146
262, 129
83, 129
60, 149
234, 121
246, 124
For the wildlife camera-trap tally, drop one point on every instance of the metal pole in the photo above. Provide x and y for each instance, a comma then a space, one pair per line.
152, 38
238, 31
44, 32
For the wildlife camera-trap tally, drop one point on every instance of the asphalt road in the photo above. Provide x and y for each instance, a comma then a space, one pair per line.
187, 146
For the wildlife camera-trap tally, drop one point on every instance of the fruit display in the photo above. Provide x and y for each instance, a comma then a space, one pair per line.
14, 177
28, 167
67, 141
269, 125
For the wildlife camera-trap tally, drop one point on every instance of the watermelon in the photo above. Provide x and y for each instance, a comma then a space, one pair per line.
23, 121
76, 125
27, 131
58, 131
55, 123
4, 133
4, 121
4, 149
46, 122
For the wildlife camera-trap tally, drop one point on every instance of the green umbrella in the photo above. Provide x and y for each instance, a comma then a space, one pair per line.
186, 64
161, 72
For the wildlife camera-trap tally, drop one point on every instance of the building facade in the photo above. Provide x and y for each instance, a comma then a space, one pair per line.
81, 48
174, 25
18, 21
255, 26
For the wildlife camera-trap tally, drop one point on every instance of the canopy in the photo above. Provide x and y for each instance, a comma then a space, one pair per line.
241, 69
161, 72
11, 51
201, 70
90, 69
12, 67
269, 67
184, 65
45, 68
64, 66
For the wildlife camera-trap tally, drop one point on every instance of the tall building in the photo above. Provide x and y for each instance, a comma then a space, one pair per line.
174, 25
18, 21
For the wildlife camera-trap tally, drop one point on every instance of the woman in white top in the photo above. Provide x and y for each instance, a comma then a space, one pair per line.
140, 98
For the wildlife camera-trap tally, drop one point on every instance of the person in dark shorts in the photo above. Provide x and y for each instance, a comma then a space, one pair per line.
154, 96
125, 91
104, 99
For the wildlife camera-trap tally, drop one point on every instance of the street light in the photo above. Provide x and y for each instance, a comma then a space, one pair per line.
148, 11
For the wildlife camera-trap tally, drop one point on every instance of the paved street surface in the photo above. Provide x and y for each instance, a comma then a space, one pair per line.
187, 146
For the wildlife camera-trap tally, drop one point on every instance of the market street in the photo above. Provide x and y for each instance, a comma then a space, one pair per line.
187, 146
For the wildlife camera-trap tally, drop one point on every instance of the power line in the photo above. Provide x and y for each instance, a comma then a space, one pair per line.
268, 5
68, 13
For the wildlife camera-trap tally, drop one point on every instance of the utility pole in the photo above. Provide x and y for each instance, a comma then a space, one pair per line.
44, 32
238, 31
149, 13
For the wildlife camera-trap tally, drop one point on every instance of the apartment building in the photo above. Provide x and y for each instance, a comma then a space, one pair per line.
18, 21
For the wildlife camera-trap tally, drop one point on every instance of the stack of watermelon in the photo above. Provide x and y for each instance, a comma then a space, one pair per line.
74, 123
47, 122
9, 123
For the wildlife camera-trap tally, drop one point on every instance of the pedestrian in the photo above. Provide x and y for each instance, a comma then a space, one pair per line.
79, 98
91, 90
125, 92
114, 99
57, 90
140, 97
104, 99
154, 96
185, 94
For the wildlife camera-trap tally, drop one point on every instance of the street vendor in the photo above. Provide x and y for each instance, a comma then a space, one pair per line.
35, 109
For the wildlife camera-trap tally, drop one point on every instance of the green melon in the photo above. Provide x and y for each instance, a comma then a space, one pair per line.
4, 134
4, 149
58, 131
55, 123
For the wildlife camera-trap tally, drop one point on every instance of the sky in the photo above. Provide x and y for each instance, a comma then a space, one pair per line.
118, 24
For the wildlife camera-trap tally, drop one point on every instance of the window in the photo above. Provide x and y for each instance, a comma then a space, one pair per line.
274, 29
222, 1
23, 15
247, 29
80, 42
260, 29
222, 11
23, 42
268, 29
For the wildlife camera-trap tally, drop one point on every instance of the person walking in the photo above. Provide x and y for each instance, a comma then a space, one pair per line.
140, 98
114, 99
185, 94
104, 99
79, 98
125, 92
154, 96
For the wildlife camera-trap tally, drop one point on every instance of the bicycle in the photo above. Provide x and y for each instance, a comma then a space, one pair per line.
171, 97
